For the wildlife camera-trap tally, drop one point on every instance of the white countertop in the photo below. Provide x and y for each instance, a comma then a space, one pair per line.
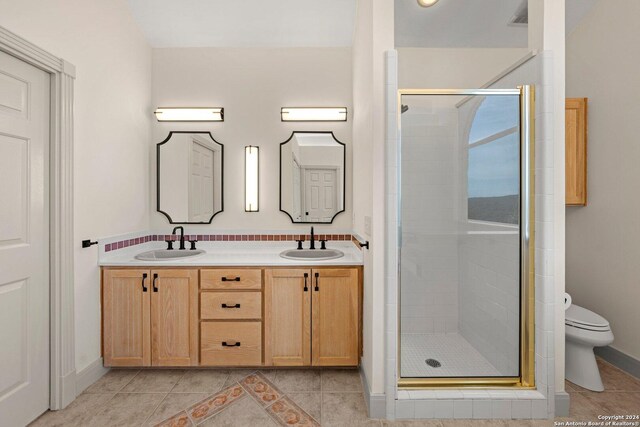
222, 254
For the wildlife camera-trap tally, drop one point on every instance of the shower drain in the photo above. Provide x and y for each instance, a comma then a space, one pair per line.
433, 363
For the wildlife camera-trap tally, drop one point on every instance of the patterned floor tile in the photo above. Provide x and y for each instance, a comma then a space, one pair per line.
179, 420
288, 413
261, 389
215, 403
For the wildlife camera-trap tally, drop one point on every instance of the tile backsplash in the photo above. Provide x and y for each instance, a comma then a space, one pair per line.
125, 243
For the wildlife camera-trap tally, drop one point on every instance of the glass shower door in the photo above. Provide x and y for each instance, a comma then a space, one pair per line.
465, 235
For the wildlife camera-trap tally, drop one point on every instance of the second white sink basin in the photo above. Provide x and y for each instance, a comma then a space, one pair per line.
312, 254
167, 255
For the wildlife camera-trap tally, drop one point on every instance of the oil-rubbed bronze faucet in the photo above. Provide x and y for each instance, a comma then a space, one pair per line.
181, 228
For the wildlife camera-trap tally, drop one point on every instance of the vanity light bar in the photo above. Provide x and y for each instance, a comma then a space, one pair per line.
315, 114
204, 114
251, 178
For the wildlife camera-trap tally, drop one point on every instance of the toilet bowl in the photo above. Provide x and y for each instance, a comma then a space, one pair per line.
584, 330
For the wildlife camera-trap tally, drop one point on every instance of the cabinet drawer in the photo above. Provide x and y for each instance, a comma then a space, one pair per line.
231, 343
231, 279
230, 305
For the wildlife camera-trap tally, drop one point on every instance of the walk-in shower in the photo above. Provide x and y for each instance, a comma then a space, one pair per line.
466, 238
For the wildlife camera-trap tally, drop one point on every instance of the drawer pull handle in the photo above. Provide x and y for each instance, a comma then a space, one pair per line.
155, 279
317, 279
144, 278
235, 344
234, 279
306, 276
230, 306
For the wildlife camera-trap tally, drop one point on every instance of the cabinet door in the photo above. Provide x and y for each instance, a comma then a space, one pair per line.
335, 317
576, 151
125, 298
287, 317
174, 317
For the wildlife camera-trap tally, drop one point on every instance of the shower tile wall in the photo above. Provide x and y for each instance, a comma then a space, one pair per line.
429, 259
489, 297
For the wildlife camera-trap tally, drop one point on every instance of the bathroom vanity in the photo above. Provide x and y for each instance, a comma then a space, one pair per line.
234, 305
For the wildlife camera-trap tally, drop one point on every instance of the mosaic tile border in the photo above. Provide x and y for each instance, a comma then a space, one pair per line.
276, 404
114, 246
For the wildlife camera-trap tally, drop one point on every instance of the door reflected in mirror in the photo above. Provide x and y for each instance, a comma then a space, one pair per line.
189, 177
312, 187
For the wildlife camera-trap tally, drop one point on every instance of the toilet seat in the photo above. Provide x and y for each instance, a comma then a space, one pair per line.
581, 318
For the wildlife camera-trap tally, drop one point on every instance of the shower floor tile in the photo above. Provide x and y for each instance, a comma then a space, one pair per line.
457, 357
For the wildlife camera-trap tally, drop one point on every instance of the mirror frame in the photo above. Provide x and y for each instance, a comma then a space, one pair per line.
171, 221
344, 171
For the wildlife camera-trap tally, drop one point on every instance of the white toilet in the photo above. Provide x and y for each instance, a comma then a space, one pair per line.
584, 330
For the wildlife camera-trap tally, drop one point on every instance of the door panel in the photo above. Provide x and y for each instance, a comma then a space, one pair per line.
287, 317
126, 318
320, 194
24, 241
174, 317
335, 317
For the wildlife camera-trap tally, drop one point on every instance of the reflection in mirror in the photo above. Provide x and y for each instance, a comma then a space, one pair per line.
312, 177
189, 177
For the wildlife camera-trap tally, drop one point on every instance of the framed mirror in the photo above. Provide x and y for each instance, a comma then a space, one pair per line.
189, 177
312, 187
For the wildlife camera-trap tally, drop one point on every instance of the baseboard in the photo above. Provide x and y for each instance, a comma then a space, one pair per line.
619, 359
562, 401
376, 402
90, 375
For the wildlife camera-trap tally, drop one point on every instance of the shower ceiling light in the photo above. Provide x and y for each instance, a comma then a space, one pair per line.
198, 114
427, 3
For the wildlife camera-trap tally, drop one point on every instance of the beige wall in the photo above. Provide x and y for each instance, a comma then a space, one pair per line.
603, 238
461, 68
252, 84
112, 123
373, 36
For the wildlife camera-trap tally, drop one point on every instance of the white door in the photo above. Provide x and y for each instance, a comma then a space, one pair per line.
24, 242
200, 183
320, 194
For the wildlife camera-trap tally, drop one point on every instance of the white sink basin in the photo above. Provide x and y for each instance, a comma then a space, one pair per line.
312, 254
167, 255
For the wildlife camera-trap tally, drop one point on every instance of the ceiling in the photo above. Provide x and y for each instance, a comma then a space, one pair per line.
245, 23
469, 23
328, 23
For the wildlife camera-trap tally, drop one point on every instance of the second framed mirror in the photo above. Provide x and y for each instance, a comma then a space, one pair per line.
312, 177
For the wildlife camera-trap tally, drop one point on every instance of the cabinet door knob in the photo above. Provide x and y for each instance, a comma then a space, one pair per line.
144, 277
230, 306
155, 279
233, 279
229, 344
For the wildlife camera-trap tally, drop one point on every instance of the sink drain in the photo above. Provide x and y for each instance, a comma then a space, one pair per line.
433, 363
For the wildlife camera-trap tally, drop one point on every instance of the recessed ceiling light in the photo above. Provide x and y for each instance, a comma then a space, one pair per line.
427, 3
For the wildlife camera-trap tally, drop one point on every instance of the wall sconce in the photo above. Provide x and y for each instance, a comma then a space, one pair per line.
204, 114
316, 114
251, 178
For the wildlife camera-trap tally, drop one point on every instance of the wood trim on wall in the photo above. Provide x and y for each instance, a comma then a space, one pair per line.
62, 339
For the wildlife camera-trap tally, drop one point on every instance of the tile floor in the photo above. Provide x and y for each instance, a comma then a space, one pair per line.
293, 397
457, 356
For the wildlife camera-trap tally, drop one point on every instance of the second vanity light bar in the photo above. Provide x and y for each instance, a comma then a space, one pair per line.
314, 114
204, 114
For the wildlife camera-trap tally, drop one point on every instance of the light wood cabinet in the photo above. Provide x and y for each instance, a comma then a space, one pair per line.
174, 317
232, 316
126, 333
576, 151
335, 317
312, 317
150, 317
287, 301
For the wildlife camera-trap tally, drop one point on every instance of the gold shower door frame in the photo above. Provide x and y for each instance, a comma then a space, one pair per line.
526, 380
